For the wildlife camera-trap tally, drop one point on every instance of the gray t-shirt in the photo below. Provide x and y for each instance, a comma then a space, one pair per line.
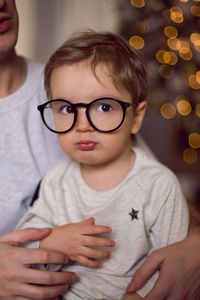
146, 211
27, 148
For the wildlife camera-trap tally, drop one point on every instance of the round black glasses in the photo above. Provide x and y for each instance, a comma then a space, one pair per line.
103, 114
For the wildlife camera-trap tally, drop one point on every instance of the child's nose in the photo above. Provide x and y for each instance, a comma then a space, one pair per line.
82, 123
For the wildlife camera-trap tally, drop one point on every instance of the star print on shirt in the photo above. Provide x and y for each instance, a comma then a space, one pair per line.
134, 214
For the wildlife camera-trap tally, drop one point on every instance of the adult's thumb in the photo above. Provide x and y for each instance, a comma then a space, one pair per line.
19, 237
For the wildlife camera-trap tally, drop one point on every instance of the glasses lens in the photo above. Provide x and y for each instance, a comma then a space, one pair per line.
59, 115
106, 114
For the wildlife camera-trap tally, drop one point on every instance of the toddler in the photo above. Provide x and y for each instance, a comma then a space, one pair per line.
96, 86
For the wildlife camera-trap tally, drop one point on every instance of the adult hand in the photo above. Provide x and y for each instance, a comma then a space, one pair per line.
18, 280
76, 240
179, 266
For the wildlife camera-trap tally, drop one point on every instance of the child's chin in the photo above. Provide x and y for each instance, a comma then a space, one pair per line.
88, 159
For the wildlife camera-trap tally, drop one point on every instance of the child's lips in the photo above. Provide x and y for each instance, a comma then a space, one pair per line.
5, 23
86, 145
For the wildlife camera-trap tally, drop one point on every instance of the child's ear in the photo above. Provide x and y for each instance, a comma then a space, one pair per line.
138, 116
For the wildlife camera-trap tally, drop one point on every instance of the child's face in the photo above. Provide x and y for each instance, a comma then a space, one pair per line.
77, 83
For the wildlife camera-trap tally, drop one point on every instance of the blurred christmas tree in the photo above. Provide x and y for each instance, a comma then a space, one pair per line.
167, 34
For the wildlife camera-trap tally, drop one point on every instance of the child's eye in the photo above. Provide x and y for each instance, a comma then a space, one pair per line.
66, 109
104, 107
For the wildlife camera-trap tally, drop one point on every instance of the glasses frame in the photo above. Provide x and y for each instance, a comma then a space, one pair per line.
123, 104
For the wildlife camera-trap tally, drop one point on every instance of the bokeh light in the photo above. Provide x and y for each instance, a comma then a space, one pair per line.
190, 156
198, 76
195, 11
159, 56
194, 140
137, 42
166, 57
138, 3
198, 110
174, 44
184, 50
171, 32
170, 58
184, 107
176, 14
168, 34
195, 38
166, 71
142, 27
197, 48
168, 111
193, 83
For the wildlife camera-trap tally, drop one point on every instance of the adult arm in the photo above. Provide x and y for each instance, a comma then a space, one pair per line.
18, 280
179, 266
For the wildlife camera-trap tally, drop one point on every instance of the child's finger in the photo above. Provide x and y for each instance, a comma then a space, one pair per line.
95, 254
88, 221
97, 242
87, 262
95, 229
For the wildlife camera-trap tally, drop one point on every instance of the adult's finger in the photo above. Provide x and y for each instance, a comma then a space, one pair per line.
167, 287
34, 292
146, 270
34, 276
25, 235
42, 256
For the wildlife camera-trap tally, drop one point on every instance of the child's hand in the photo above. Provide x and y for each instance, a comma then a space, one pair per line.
76, 239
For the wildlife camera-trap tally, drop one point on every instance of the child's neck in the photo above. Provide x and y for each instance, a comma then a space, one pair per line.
106, 176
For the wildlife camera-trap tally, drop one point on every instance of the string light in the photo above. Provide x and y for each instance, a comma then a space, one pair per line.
184, 107
193, 83
138, 3
170, 32
137, 42
190, 156
194, 140
168, 111
142, 27
198, 76
175, 46
195, 11
166, 57
166, 71
195, 38
159, 56
184, 50
198, 110
176, 14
